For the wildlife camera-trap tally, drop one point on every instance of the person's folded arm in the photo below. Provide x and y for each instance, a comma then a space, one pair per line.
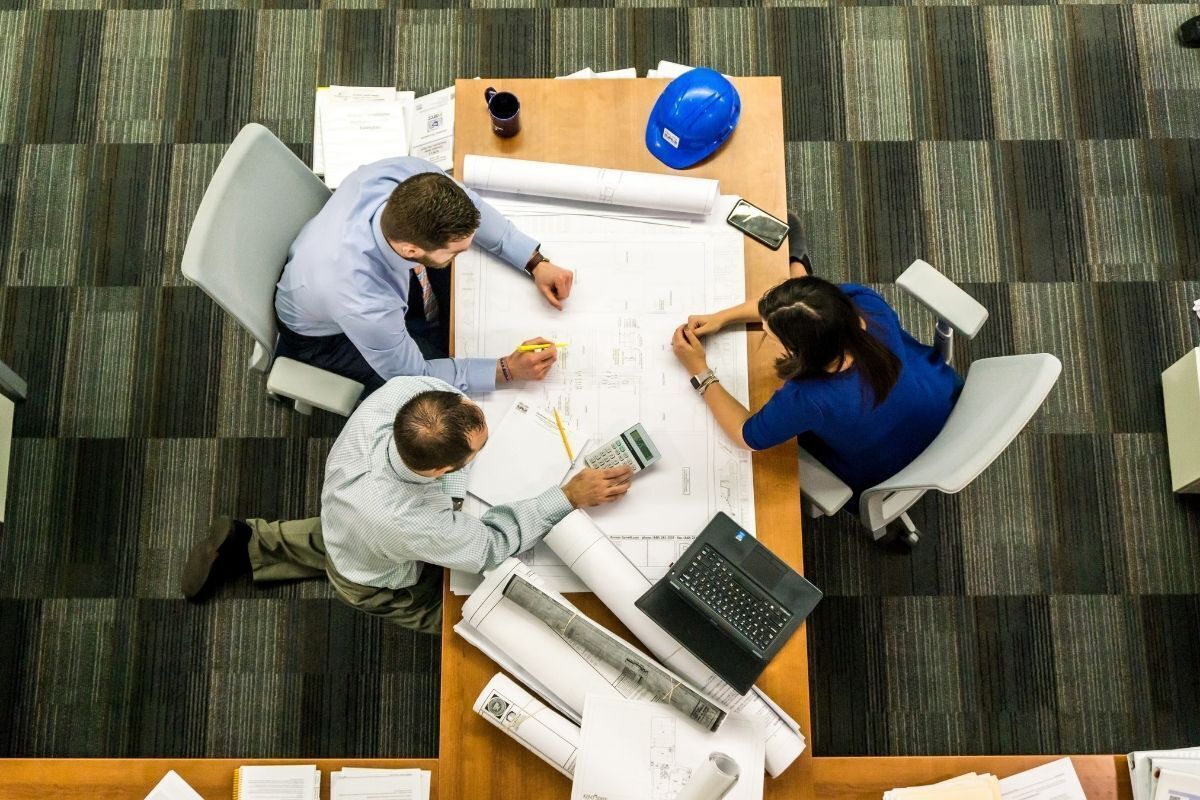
384, 342
499, 236
473, 544
782, 418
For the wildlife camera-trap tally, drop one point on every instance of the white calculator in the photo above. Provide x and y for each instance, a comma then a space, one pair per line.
632, 448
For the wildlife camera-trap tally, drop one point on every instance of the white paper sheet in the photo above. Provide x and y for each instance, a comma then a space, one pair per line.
591, 184
361, 132
334, 94
627, 72
1159, 764
388, 786
1054, 781
424, 775
431, 134
540, 729
619, 368
586, 72
647, 751
173, 787
524, 456
604, 569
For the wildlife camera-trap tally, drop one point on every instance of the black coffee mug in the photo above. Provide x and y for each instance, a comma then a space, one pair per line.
505, 110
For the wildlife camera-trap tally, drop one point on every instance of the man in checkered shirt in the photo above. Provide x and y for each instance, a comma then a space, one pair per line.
390, 511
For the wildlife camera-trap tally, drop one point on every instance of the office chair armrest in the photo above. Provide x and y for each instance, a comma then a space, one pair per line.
315, 387
943, 297
820, 486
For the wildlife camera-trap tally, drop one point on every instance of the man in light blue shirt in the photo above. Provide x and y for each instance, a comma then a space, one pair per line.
365, 294
390, 511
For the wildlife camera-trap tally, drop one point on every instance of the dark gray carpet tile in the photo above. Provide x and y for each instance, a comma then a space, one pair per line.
1153, 326
1170, 627
811, 75
59, 76
1106, 90
881, 199
357, 48
1101, 709
841, 558
955, 102
846, 666
183, 378
210, 85
1044, 235
102, 361
34, 344
1027, 65
71, 524
1081, 556
1158, 530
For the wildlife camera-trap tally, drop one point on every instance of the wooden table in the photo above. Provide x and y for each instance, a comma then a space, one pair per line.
603, 123
597, 122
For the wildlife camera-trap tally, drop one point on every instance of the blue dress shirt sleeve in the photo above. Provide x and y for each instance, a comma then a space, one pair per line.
499, 236
383, 340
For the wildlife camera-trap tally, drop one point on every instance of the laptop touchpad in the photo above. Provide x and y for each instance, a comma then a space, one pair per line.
764, 567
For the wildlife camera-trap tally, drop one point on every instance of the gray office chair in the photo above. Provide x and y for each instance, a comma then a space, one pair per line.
999, 397
258, 200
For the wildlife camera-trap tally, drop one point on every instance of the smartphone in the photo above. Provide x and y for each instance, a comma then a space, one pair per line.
758, 224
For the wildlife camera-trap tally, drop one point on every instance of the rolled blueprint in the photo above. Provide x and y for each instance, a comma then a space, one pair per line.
712, 780
544, 732
594, 640
613, 578
616, 187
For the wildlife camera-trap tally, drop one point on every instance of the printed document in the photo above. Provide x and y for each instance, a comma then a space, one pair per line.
524, 456
632, 750
173, 787
1054, 781
355, 133
634, 284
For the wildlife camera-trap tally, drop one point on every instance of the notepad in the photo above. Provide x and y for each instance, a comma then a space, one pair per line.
285, 782
366, 783
524, 456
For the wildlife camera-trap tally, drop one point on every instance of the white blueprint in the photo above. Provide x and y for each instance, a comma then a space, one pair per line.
634, 284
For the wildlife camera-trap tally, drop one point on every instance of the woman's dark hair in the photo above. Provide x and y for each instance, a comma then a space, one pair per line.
819, 325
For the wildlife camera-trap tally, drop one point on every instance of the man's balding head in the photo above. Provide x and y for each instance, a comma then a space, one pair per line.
438, 431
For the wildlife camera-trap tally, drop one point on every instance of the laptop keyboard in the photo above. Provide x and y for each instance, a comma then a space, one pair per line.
711, 578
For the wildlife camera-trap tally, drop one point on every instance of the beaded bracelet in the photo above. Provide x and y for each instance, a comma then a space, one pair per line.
504, 370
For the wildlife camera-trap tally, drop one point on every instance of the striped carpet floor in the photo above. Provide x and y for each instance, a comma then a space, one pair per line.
1044, 155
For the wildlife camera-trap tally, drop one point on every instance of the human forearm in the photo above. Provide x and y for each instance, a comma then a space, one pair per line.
740, 314
730, 414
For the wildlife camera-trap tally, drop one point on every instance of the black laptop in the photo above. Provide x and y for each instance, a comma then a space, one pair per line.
731, 602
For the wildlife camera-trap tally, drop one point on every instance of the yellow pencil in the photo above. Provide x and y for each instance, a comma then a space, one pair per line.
533, 348
563, 432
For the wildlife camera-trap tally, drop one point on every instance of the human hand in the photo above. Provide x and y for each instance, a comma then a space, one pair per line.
532, 365
688, 349
704, 324
553, 282
594, 487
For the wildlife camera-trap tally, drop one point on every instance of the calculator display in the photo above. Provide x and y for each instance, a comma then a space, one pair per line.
637, 439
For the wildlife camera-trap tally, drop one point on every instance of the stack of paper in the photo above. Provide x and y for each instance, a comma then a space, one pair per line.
1166, 774
965, 787
1056, 780
524, 456
361, 783
356, 125
288, 782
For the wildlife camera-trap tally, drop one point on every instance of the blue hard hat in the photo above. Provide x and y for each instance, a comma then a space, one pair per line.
692, 118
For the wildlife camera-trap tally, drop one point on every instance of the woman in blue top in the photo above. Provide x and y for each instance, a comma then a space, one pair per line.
860, 394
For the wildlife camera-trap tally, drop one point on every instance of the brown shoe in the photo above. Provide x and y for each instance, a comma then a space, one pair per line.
223, 555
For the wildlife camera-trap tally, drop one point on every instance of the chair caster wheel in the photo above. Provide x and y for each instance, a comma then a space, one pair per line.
910, 538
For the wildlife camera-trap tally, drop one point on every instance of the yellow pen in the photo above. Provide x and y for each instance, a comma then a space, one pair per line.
563, 433
533, 348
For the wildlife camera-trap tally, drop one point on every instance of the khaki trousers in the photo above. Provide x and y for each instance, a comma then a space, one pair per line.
293, 550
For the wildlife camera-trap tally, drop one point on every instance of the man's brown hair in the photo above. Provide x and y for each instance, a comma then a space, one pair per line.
433, 430
430, 211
